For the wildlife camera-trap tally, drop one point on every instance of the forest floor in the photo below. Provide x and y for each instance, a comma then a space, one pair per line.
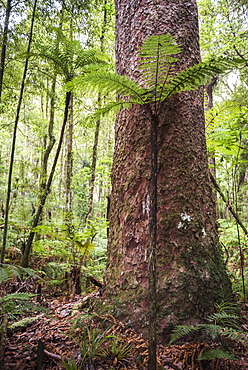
53, 337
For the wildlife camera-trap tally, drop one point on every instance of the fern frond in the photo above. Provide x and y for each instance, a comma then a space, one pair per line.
112, 107
235, 335
164, 45
221, 113
224, 319
196, 76
4, 275
212, 353
181, 331
8, 271
27, 321
157, 59
89, 57
211, 330
111, 82
18, 296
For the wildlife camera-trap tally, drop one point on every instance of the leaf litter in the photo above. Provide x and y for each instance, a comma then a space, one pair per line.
54, 330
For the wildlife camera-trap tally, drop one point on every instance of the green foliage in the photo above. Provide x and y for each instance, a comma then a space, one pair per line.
64, 240
110, 82
69, 248
90, 342
23, 323
157, 60
158, 80
222, 330
16, 304
70, 364
232, 246
117, 349
8, 271
217, 334
19, 303
68, 56
212, 353
226, 32
97, 344
226, 123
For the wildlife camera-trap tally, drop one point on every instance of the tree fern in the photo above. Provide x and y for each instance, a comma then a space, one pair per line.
158, 79
69, 56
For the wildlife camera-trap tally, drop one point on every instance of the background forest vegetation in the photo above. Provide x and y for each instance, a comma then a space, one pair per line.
71, 38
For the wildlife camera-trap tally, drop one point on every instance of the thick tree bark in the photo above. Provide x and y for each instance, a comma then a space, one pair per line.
190, 274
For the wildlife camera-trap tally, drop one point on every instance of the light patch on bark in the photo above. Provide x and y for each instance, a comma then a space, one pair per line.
185, 219
204, 232
205, 275
146, 205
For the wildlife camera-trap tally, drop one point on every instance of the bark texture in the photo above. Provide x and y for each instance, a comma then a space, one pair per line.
191, 276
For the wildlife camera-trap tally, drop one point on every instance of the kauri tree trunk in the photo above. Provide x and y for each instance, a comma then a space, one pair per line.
190, 274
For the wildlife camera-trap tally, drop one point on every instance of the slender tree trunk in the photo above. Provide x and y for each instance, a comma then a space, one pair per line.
97, 131
25, 257
51, 141
69, 153
152, 248
4, 44
3, 337
5, 231
48, 147
93, 171
69, 165
179, 256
